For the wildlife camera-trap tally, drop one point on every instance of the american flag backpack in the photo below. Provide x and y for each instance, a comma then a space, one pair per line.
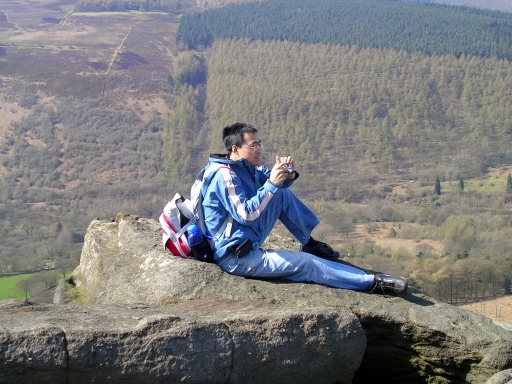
179, 212
174, 219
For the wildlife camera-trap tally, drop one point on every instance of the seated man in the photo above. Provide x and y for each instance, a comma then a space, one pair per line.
255, 198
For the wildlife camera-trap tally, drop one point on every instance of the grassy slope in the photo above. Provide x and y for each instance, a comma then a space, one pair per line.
121, 60
61, 53
494, 182
7, 285
499, 309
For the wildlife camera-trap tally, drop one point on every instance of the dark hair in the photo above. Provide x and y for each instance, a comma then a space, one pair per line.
234, 134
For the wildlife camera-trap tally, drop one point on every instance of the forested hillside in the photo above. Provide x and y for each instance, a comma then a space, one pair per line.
355, 117
68, 165
360, 122
413, 27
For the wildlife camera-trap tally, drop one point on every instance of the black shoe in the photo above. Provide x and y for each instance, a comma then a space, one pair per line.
322, 250
388, 284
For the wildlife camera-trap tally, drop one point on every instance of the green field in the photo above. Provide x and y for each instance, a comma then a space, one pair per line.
7, 285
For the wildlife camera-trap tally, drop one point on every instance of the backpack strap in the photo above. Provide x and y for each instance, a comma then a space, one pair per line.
172, 232
227, 225
177, 245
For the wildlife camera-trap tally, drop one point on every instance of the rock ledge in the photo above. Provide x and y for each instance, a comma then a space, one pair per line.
150, 317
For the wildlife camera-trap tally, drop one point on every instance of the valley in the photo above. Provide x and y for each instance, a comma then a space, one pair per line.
104, 112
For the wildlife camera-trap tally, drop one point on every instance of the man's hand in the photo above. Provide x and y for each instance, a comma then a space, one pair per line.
287, 160
279, 172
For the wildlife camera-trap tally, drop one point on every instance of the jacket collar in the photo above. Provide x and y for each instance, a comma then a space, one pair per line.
224, 159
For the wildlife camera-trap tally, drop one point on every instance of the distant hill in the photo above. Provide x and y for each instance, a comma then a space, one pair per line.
127, 5
497, 5
82, 109
414, 27
223, 3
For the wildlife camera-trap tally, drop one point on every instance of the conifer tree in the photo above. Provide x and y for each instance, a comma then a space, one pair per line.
509, 184
461, 184
437, 187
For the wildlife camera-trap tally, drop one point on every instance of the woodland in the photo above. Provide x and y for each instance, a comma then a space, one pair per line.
394, 139
378, 120
413, 27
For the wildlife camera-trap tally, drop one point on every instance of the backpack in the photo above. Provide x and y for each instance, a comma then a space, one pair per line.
179, 212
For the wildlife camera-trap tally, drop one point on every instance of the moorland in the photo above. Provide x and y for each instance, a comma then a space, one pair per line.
104, 110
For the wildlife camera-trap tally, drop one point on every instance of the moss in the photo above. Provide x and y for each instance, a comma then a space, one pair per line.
75, 292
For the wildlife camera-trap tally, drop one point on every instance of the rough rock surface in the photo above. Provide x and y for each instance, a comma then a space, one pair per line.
503, 377
195, 343
124, 270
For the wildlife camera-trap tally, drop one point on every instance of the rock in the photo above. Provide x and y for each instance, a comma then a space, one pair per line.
503, 377
412, 339
195, 343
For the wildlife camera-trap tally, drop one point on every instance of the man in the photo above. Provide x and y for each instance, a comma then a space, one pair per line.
252, 198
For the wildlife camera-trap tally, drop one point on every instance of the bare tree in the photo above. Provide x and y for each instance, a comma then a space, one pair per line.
50, 278
31, 285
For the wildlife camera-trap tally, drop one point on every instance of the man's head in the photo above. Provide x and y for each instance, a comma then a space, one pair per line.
242, 142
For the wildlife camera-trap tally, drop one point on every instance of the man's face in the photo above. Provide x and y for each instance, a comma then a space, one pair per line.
251, 148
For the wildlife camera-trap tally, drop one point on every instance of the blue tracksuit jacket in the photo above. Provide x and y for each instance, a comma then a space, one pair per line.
242, 191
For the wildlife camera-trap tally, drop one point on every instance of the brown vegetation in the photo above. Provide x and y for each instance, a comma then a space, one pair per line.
67, 145
381, 237
499, 309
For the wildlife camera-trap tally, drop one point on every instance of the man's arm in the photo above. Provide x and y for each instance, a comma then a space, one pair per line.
264, 174
243, 208
281, 162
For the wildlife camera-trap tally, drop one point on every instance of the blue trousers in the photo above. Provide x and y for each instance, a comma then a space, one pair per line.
293, 265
